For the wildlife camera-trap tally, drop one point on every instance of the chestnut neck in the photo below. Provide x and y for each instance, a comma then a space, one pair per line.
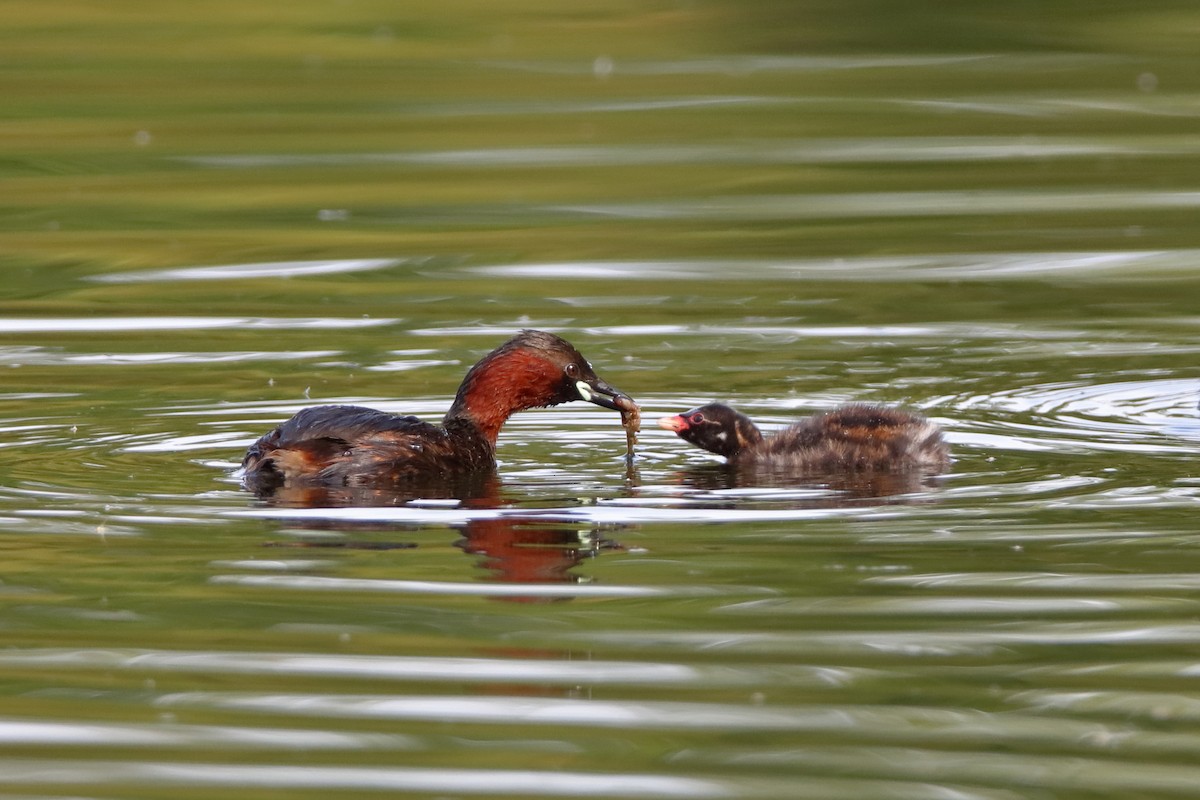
502, 383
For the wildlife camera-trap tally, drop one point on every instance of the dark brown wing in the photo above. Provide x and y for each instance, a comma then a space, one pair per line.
344, 445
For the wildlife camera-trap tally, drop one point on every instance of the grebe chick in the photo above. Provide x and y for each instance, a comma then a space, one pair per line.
850, 438
353, 446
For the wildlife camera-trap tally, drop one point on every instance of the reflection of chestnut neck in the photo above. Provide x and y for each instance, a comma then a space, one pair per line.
517, 552
502, 383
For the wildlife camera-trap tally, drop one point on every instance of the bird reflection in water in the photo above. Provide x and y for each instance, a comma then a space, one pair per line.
829, 490
524, 550
512, 548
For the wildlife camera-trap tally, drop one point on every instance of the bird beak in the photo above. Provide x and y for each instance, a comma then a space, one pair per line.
675, 422
597, 391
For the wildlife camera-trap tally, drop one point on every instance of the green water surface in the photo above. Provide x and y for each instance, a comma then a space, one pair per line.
213, 214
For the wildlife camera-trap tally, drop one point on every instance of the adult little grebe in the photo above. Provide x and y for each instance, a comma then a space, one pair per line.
854, 437
355, 446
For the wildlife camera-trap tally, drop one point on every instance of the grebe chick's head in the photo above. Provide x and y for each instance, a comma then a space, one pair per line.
716, 428
531, 370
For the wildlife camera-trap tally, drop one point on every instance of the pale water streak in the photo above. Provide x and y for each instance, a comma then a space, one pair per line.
978, 642
1091, 583
1160, 707
26, 733
43, 356
746, 64
524, 589
761, 330
895, 722
556, 672
1162, 104
1099, 773
864, 150
1112, 265
223, 272
63, 772
933, 203
169, 323
493, 108
958, 606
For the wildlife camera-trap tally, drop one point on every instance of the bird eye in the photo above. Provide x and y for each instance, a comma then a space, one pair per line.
697, 418
572, 370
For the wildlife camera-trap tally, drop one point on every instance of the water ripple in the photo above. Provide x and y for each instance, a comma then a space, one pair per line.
619, 106
1156, 707
542, 711
24, 733
588, 591
1047, 581
976, 643
763, 330
1161, 104
177, 323
45, 357
403, 668
275, 269
1098, 775
749, 64
793, 151
1144, 400
889, 204
1115, 264
958, 606
442, 780
865, 724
